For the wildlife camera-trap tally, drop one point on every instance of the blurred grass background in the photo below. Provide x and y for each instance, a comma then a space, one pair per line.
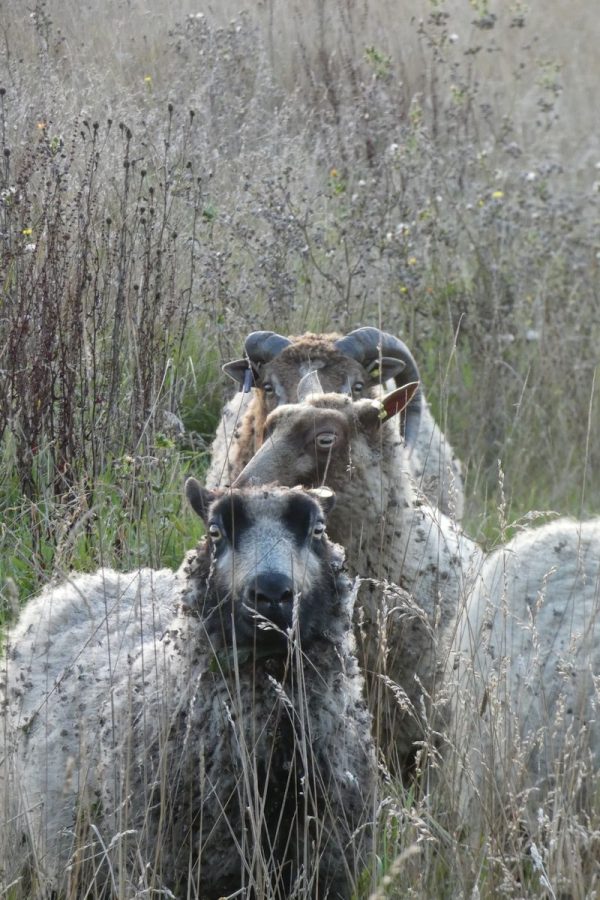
173, 177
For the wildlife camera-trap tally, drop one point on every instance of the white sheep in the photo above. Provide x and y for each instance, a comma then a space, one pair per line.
199, 732
359, 365
527, 680
393, 535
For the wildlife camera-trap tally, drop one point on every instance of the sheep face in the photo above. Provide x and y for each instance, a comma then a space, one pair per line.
311, 442
277, 377
271, 565
277, 380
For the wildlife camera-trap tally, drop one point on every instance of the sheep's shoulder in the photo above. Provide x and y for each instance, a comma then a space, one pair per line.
80, 632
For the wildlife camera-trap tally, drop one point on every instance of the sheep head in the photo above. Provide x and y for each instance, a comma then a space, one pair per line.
309, 443
271, 570
353, 365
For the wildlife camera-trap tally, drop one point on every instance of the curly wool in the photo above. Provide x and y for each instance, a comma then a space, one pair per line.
525, 679
142, 750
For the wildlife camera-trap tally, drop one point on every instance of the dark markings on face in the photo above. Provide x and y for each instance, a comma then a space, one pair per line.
240, 523
231, 516
300, 517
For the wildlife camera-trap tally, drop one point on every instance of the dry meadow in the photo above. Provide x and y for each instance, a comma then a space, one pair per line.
175, 175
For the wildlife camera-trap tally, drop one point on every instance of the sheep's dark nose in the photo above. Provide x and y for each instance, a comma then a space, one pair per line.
271, 589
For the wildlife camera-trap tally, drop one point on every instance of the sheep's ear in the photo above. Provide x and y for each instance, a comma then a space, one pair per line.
397, 400
199, 497
325, 496
238, 369
386, 368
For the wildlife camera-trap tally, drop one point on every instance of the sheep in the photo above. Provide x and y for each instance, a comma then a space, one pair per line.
201, 732
527, 692
357, 365
393, 537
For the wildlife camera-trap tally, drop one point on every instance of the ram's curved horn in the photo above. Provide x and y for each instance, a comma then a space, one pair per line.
263, 346
308, 385
260, 347
370, 347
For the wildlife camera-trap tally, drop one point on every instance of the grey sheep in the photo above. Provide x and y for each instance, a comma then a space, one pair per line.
526, 679
201, 731
417, 564
358, 364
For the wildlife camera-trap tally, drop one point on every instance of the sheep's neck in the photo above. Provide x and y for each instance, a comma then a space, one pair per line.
390, 533
370, 514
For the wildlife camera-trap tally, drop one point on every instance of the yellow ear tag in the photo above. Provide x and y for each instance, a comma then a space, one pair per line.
382, 412
375, 373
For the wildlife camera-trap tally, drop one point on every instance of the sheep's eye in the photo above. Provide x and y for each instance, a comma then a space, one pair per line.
319, 529
267, 387
358, 387
214, 532
326, 439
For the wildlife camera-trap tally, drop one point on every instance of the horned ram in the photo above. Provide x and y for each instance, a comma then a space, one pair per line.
200, 732
358, 365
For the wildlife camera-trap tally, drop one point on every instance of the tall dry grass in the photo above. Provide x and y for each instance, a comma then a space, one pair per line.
172, 178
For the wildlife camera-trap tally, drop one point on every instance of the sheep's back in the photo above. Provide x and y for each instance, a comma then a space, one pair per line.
529, 657
71, 644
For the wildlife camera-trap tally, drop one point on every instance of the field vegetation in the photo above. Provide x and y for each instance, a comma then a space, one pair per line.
175, 175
